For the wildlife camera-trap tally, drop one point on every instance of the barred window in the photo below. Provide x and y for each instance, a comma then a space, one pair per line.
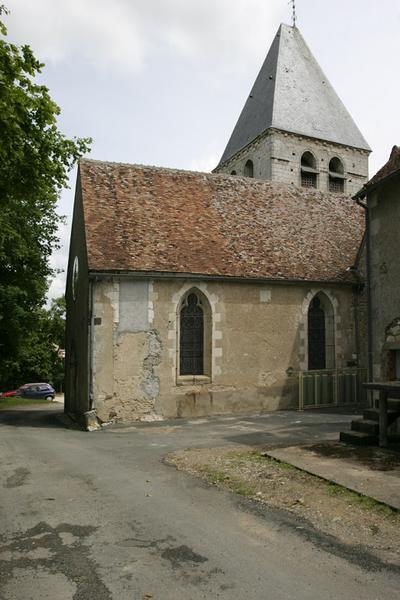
309, 180
336, 185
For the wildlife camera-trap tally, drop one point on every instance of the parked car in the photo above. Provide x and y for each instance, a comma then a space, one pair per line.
36, 390
8, 394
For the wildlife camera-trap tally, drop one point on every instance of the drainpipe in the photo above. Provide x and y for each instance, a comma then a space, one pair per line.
90, 347
357, 198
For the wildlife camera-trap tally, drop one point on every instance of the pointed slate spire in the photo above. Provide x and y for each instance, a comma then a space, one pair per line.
291, 93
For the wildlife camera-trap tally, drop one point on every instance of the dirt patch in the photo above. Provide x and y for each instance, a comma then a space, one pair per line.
352, 519
182, 554
18, 478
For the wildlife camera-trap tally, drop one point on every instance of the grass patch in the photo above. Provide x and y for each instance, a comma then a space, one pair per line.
333, 489
285, 466
214, 476
248, 457
242, 490
256, 457
13, 401
221, 478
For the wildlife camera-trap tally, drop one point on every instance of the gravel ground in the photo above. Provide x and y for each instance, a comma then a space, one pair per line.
346, 516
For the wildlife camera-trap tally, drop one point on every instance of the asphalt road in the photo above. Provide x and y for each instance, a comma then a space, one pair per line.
99, 516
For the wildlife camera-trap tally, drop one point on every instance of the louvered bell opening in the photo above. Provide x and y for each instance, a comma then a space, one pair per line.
308, 180
336, 185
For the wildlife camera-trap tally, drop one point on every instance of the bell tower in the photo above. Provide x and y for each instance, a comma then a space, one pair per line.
294, 128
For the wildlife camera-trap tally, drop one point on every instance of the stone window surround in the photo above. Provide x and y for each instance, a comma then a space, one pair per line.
329, 326
308, 150
303, 326
331, 173
211, 353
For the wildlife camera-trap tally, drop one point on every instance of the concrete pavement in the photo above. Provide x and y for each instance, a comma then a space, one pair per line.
100, 516
372, 472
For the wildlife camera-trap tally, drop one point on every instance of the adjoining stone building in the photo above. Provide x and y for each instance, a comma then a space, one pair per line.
193, 293
382, 195
380, 199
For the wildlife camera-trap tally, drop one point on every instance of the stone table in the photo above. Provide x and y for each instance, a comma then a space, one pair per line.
386, 389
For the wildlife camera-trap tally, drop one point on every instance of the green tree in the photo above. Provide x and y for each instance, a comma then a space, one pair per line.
39, 356
35, 158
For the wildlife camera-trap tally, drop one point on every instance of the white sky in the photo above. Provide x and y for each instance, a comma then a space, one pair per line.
162, 82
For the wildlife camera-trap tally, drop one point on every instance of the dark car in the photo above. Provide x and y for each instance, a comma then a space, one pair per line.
36, 390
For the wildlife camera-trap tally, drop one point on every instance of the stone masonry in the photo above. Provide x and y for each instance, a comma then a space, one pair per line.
276, 156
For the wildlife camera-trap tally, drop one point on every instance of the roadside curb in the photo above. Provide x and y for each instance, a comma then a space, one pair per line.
274, 455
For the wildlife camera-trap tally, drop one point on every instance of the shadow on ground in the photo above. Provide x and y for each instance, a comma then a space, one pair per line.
34, 416
372, 457
297, 433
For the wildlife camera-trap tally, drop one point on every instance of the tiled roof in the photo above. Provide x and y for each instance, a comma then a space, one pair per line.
388, 169
151, 219
291, 93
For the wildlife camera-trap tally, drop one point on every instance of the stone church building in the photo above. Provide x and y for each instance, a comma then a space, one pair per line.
193, 293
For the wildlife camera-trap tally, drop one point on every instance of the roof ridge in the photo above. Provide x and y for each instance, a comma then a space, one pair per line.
154, 167
242, 179
279, 34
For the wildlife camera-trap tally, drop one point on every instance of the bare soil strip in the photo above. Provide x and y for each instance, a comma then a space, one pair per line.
334, 510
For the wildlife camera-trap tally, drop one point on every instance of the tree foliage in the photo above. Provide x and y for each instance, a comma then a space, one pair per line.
35, 158
39, 354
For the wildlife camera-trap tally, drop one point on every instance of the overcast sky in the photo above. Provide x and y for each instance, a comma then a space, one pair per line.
162, 82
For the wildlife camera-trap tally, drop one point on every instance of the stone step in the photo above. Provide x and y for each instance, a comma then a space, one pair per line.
358, 438
365, 426
372, 414
394, 404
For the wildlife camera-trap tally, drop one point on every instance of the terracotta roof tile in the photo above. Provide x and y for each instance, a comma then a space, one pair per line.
151, 219
388, 169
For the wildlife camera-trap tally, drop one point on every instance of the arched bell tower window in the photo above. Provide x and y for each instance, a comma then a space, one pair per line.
194, 335
249, 169
321, 333
309, 173
336, 176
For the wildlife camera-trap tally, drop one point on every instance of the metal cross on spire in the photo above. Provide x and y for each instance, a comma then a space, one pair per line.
294, 16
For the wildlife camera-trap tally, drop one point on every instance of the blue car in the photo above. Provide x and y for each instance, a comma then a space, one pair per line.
36, 390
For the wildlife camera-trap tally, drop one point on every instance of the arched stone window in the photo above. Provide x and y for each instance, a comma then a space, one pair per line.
194, 335
309, 173
249, 169
336, 175
233, 173
321, 333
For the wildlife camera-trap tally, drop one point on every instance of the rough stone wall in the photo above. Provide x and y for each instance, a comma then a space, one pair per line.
361, 308
258, 344
276, 155
126, 351
384, 209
